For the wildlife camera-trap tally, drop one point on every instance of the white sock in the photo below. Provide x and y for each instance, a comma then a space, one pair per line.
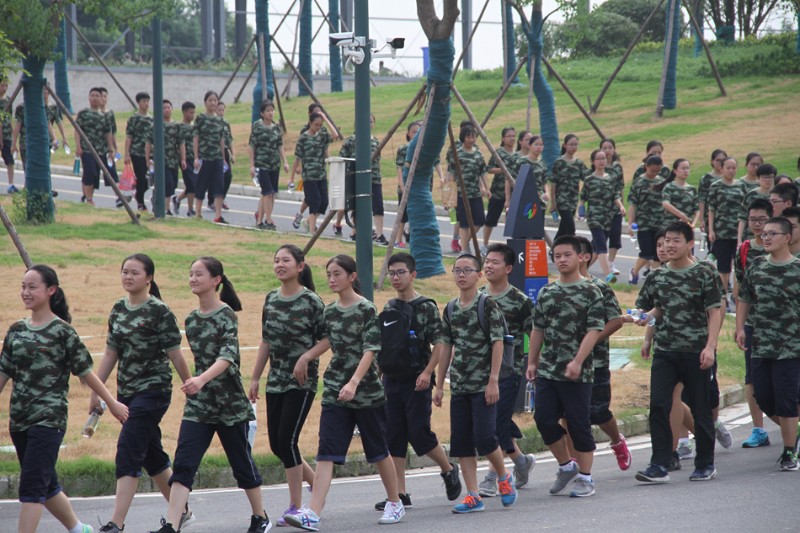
683, 440
567, 467
78, 528
585, 477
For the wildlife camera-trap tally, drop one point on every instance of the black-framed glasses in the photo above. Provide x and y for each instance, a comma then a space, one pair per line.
465, 271
757, 220
771, 234
397, 273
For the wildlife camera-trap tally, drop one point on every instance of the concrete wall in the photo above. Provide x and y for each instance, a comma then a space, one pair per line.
179, 85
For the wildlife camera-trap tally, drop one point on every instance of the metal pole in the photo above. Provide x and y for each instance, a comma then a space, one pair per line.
714, 69
665, 66
464, 199
466, 53
502, 93
363, 190
573, 97
397, 123
158, 122
238, 66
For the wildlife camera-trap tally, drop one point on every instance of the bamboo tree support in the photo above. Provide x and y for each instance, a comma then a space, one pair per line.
310, 91
469, 41
397, 123
278, 102
502, 93
320, 229
667, 53
531, 79
12, 232
464, 199
574, 98
99, 59
100, 163
699, 31
238, 66
401, 209
263, 64
246, 81
294, 49
593, 107
13, 97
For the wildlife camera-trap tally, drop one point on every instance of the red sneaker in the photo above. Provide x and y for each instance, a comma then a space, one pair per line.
455, 246
623, 453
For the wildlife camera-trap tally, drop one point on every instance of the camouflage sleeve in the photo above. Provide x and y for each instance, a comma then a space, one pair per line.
264, 328
712, 295
348, 147
447, 330
129, 128
400, 157
78, 358
738, 269
251, 140
711, 202
555, 174
19, 113
611, 304
633, 194
746, 293
646, 299
299, 149
538, 319
169, 335
228, 134
494, 319
371, 335
585, 191
527, 313
481, 164
318, 322
6, 363
595, 311
110, 342
431, 324
112, 122
229, 338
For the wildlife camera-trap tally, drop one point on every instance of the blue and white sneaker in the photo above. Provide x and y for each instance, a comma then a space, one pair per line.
393, 512
471, 503
758, 437
305, 519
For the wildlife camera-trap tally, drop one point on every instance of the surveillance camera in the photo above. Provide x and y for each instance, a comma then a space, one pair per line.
397, 43
341, 39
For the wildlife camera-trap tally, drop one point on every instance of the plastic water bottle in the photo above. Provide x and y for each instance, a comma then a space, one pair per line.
151, 175
117, 156
76, 166
453, 216
290, 186
225, 167
635, 236
638, 314
67, 149
703, 239
555, 216
90, 427
200, 166
530, 397
252, 426
256, 182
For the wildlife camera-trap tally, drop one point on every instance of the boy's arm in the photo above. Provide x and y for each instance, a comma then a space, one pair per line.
128, 143
587, 344
534, 351
707, 356
742, 310
493, 386
424, 379
445, 356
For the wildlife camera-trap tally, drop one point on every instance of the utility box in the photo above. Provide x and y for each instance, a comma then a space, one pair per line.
341, 183
525, 217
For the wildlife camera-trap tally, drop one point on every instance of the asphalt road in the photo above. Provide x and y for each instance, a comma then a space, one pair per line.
749, 494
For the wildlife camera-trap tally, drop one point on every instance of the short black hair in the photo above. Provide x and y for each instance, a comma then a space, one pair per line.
265, 105
102, 90
787, 192
761, 203
472, 258
766, 169
165, 101
680, 227
569, 240
509, 257
465, 132
786, 226
791, 212
187, 105
405, 258
141, 96
586, 246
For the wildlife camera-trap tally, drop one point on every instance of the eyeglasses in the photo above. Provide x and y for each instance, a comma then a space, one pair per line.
771, 234
774, 201
757, 220
465, 271
397, 273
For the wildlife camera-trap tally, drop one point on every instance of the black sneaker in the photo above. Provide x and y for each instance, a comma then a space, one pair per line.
111, 527
165, 528
353, 238
380, 239
452, 483
653, 474
788, 461
176, 205
675, 464
259, 524
270, 226
703, 474
337, 230
119, 203
405, 499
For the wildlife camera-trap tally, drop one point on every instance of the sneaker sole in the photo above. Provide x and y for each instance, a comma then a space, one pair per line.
574, 494
473, 510
704, 478
486, 494
300, 525
646, 479
794, 468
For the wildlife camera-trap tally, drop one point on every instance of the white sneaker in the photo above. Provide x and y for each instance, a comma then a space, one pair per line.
615, 270
392, 513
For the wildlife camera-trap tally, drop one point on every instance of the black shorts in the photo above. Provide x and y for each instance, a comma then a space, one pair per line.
139, 443
377, 199
112, 169
472, 425
410, 413
268, 180
189, 179
493, 211
647, 244
748, 354
170, 181
316, 196
8, 157
725, 250
336, 425
599, 412
286, 414
615, 235
776, 385
599, 240
193, 441
564, 399
209, 178
478, 216
37, 450
505, 427
400, 199
91, 170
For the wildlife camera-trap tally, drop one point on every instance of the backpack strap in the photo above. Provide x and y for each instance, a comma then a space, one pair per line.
416, 302
482, 312
744, 249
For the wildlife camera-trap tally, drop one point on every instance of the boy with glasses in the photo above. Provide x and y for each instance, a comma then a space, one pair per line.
766, 180
792, 214
775, 363
782, 197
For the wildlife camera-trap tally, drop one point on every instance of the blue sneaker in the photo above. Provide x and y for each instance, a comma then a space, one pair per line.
12, 189
508, 493
758, 437
653, 474
703, 474
633, 279
611, 278
471, 503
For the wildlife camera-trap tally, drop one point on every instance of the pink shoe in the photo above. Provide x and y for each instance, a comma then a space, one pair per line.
623, 453
455, 246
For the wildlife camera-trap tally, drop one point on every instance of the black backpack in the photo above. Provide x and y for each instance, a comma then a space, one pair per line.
400, 357
507, 365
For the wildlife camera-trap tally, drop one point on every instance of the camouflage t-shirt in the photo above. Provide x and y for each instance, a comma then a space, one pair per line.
641, 169
141, 335
725, 201
209, 129
748, 185
291, 325
601, 194
753, 251
705, 186
776, 327
565, 313
684, 296
473, 166
683, 198
5, 121
750, 195
173, 139
312, 150
53, 114
140, 130
352, 331
214, 337
601, 354
567, 177
348, 149
96, 127
498, 186
472, 361
266, 142
649, 211
111, 119
227, 134
428, 323
19, 118
39, 360
517, 309
617, 176
538, 171
187, 132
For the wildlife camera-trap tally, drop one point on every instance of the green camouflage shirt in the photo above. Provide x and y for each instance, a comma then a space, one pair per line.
776, 327
266, 142
214, 337
141, 336
312, 150
39, 360
517, 309
187, 131
649, 211
538, 171
348, 149
140, 130
753, 251
291, 326
5, 121
748, 185
601, 194
96, 127
565, 313
750, 195
498, 186
473, 166
567, 177
601, 354
53, 114
19, 117
725, 201
352, 331
209, 129
705, 186
617, 176
640, 170
112, 120
227, 134
684, 199
428, 323
472, 359
684, 296
173, 139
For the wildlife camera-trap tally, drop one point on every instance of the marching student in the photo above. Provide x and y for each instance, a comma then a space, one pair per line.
39, 354
208, 147
615, 170
188, 110
266, 156
679, 198
500, 188
97, 128
137, 132
174, 154
473, 171
766, 181
724, 202
718, 156
567, 173
310, 153
646, 210
653, 148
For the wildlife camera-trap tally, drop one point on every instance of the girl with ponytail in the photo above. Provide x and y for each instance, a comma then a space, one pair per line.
39, 354
678, 197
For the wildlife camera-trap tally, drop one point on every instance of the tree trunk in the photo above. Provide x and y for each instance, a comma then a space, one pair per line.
60, 67
699, 8
304, 64
262, 26
670, 100
37, 140
548, 124
334, 52
508, 42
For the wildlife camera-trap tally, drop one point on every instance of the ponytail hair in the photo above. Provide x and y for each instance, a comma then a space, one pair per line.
521, 135
671, 177
650, 146
348, 264
149, 269
226, 291
58, 301
305, 278
567, 139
